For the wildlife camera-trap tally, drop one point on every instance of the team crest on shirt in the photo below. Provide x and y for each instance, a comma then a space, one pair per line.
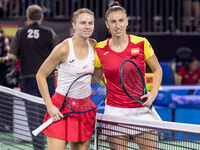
84, 67
135, 51
106, 53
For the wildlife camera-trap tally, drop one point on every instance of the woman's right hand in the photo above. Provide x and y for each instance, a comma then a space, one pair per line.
54, 112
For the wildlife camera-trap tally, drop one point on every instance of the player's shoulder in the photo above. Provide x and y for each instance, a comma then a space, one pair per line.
93, 42
61, 51
102, 44
63, 47
137, 39
65, 43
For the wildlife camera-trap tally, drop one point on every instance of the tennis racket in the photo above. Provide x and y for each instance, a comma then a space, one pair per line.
133, 84
85, 94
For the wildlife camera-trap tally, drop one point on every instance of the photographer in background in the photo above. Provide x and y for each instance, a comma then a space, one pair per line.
4, 48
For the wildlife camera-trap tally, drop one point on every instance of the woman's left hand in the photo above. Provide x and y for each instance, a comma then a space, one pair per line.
150, 98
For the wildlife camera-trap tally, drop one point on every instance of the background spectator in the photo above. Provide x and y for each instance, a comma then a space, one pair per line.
183, 54
3, 7
33, 44
191, 6
189, 73
4, 47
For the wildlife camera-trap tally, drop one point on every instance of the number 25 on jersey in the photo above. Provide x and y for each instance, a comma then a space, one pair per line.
33, 34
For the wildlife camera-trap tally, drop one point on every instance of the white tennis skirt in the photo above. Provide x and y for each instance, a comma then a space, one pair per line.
141, 113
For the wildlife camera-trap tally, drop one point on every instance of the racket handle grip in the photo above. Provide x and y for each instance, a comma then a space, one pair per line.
42, 127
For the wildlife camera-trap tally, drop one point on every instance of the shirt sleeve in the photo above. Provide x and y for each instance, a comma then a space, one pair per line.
97, 62
14, 45
55, 39
148, 50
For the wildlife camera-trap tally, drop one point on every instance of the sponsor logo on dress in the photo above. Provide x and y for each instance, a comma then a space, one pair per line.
71, 61
81, 73
106, 53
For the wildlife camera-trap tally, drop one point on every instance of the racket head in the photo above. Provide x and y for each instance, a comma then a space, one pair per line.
131, 80
86, 93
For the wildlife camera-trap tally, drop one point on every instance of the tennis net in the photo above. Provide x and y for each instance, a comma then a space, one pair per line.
111, 132
124, 134
14, 125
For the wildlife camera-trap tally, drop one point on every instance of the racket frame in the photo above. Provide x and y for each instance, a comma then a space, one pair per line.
151, 109
50, 120
76, 112
122, 84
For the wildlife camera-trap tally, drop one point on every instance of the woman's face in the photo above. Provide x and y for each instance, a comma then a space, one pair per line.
194, 65
117, 23
84, 25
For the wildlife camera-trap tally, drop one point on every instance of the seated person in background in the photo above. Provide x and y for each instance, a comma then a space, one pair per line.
183, 54
189, 73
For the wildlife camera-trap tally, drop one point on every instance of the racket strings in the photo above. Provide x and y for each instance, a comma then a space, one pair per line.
87, 96
132, 80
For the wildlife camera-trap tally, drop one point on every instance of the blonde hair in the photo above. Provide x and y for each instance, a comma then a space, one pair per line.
81, 11
114, 6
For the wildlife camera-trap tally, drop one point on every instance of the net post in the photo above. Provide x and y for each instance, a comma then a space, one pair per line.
95, 135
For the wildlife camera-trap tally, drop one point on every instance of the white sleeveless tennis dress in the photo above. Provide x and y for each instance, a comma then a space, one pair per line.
73, 68
73, 127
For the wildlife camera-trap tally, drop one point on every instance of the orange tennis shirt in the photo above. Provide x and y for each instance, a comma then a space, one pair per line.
110, 62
